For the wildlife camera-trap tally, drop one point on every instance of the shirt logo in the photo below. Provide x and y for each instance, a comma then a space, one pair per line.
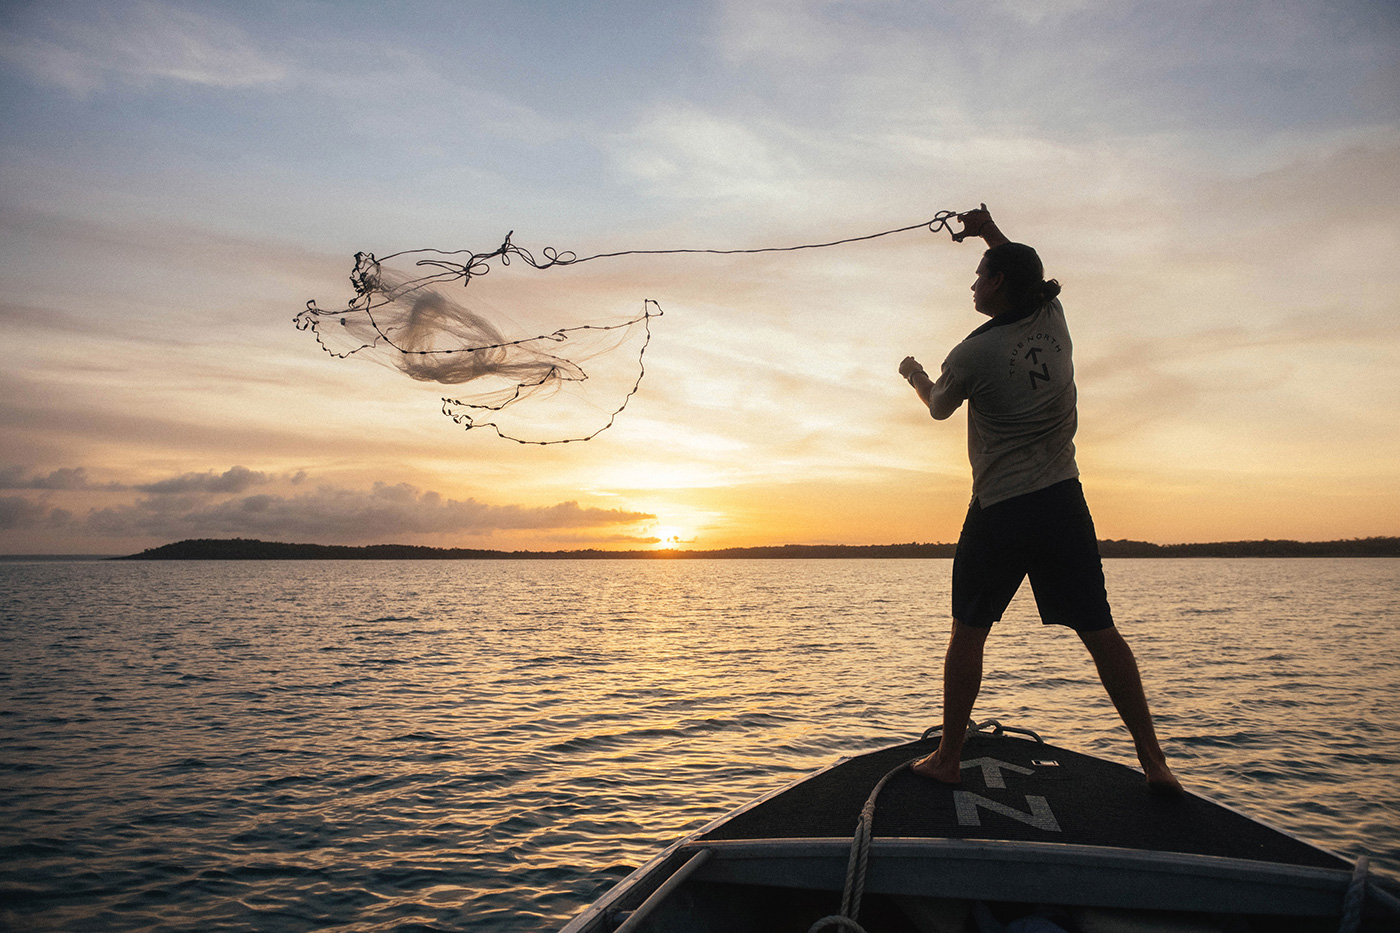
1028, 353
1033, 354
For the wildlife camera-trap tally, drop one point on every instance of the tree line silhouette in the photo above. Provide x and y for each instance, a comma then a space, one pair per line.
251, 549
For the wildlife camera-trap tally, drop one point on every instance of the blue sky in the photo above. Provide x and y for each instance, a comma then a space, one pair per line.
1214, 183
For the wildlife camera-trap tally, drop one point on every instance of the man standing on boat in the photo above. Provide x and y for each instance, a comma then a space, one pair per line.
1028, 516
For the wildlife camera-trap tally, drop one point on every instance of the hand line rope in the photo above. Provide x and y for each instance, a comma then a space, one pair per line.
477, 263
859, 862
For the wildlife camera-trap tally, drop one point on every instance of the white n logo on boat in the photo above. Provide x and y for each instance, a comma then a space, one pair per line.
992, 768
967, 802
1040, 816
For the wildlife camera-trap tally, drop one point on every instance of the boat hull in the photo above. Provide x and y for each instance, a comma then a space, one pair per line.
1031, 824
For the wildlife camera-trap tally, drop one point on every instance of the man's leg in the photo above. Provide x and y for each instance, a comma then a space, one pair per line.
1119, 672
962, 680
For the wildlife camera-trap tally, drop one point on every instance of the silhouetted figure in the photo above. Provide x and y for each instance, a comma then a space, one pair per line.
1028, 515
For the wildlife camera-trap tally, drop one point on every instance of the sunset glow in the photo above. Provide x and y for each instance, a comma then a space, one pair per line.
670, 537
1216, 188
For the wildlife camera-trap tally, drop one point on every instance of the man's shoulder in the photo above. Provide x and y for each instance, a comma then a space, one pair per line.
972, 345
994, 335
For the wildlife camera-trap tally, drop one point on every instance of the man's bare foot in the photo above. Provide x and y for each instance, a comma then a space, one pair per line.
1160, 779
935, 769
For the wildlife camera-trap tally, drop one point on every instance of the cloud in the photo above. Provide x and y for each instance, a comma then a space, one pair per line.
234, 480
1070, 71
64, 479
136, 44
68, 478
19, 512
777, 33
687, 152
226, 504
333, 514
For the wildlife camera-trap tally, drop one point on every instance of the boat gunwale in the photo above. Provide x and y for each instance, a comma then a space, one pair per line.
637, 880
1047, 854
1277, 888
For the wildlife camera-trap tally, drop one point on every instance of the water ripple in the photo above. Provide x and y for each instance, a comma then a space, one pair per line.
450, 745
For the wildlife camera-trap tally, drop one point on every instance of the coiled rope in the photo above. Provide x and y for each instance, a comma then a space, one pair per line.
858, 862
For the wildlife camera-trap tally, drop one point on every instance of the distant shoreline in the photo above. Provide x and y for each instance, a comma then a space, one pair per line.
250, 549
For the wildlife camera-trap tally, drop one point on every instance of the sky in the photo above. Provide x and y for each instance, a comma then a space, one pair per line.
1215, 184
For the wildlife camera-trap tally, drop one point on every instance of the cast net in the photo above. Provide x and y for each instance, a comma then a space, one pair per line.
529, 384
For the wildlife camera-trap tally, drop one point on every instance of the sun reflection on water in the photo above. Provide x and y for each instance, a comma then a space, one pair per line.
491, 743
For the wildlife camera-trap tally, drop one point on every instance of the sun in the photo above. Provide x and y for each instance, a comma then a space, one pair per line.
670, 537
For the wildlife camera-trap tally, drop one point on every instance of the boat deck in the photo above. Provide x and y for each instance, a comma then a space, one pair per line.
1016, 790
1031, 826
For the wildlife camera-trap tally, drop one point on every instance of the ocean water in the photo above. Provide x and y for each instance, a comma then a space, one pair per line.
487, 746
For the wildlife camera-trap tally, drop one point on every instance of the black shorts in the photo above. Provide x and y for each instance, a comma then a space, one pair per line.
1048, 535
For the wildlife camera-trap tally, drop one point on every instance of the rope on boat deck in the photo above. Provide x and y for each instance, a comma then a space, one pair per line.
858, 863
1355, 898
865, 826
1352, 903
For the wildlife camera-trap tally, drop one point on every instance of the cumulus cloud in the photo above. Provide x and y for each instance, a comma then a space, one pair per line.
67, 478
19, 512
338, 514
63, 479
234, 480
242, 502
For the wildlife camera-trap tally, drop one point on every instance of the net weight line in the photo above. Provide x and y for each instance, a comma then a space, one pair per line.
455, 408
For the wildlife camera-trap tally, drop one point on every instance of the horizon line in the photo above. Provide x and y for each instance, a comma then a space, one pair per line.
1375, 545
